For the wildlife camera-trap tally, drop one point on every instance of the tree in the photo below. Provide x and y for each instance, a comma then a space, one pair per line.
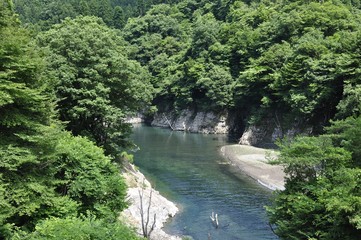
88, 177
45, 172
322, 199
141, 7
78, 229
54, 13
119, 19
218, 87
160, 41
83, 8
105, 11
97, 86
145, 213
345, 133
27, 131
205, 33
289, 58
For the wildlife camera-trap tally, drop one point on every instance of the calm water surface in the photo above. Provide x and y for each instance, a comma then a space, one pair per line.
187, 169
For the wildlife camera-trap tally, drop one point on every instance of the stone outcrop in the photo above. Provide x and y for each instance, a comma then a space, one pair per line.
253, 135
264, 134
268, 133
138, 118
162, 207
192, 121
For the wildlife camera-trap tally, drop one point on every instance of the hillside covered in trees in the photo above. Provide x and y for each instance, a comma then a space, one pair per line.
293, 61
71, 71
54, 185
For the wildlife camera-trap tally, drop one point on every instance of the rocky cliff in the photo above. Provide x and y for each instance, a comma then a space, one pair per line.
193, 121
265, 133
268, 132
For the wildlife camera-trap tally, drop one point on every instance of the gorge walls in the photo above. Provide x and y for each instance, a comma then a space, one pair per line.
264, 133
193, 121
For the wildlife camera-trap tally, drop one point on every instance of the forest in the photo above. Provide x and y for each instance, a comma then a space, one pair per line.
72, 71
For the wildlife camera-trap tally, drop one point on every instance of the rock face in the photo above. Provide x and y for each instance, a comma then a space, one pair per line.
192, 121
138, 118
159, 205
252, 135
268, 133
264, 134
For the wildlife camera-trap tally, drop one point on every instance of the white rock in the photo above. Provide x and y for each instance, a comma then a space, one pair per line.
138, 118
162, 207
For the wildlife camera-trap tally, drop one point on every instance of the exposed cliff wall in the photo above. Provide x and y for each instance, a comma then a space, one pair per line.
193, 121
264, 133
137, 118
268, 132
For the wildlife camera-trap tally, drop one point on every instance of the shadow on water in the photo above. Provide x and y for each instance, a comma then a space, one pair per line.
188, 170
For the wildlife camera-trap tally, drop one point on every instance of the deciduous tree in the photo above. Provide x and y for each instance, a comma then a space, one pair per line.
96, 84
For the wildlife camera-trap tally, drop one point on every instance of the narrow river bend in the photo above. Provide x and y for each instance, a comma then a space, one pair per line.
187, 169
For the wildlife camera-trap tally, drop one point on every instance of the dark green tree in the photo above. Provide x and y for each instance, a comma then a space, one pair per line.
345, 133
322, 199
97, 86
54, 13
25, 125
83, 8
105, 11
141, 7
119, 18
78, 229
45, 172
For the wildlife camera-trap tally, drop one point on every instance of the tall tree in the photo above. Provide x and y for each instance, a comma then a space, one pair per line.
83, 8
105, 11
141, 7
97, 86
322, 199
45, 172
27, 131
119, 18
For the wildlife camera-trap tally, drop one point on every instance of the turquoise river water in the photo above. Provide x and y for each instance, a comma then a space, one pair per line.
188, 169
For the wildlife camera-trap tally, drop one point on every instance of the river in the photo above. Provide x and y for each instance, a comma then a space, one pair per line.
188, 169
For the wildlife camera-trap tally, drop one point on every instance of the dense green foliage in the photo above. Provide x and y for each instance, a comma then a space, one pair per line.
49, 179
43, 14
322, 199
295, 61
78, 229
96, 84
290, 60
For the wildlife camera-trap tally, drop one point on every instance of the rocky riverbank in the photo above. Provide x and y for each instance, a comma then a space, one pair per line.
254, 162
163, 208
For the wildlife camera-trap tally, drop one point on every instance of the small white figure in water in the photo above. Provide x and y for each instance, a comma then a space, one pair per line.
214, 219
